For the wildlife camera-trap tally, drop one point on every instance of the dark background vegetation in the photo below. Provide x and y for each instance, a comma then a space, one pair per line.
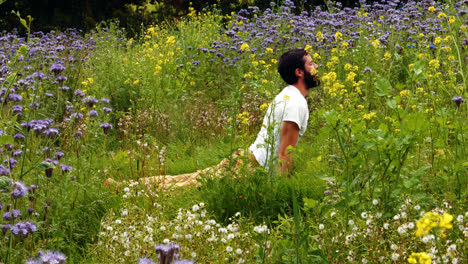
85, 14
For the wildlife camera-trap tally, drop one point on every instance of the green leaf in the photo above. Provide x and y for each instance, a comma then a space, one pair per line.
418, 67
45, 165
392, 104
7, 139
383, 87
309, 203
4, 182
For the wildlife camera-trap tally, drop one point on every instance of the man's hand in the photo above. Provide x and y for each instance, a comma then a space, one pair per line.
289, 135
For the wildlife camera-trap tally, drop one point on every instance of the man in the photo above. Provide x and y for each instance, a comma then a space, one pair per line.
287, 116
284, 123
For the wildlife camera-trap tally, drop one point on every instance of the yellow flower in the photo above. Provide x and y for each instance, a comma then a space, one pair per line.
431, 9
308, 48
245, 47
316, 56
435, 64
338, 35
263, 107
350, 77
463, 28
446, 221
437, 40
387, 56
420, 258
360, 106
451, 20
376, 43
442, 15
269, 50
369, 116
319, 158
404, 93
264, 81
136, 81
421, 35
319, 36
85, 83
90, 80
344, 44
348, 66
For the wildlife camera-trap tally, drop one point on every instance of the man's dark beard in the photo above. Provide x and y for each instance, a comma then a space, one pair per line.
310, 80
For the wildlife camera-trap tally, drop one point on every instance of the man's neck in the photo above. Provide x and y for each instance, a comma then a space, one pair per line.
302, 88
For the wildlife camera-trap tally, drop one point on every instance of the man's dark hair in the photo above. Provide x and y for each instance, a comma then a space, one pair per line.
289, 62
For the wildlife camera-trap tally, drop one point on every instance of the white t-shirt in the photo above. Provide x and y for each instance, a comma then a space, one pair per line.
288, 105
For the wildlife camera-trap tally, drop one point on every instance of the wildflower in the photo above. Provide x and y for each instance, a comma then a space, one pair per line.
167, 252
319, 36
375, 202
321, 226
395, 256
338, 35
48, 257
421, 258
238, 251
106, 127
442, 15
435, 64
431, 9
364, 215
93, 113
458, 100
245, 47
19, 190
229, 249
369, 116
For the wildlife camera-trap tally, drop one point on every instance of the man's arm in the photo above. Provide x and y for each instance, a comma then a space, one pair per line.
289, 135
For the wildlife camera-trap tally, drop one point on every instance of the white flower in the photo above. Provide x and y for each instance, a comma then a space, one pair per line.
417, 207
332, 214
378, 215
403, 215
394, 247
118, 221
237, 214
401, 230
321, 226
364, 261
195, 208
109, 228
230, 236
375, 202
166, 241
410, 225
222, 230
455, 261
229, 249
115, 237
241, 260
202, 204
364, 215
395, 256
369, 221
207, 227
188, 236
193, 255
238, 251
460, 218
150, 230
162, 228
350, 222
126, 189
425, 239
223, 240
124, 196
396, 217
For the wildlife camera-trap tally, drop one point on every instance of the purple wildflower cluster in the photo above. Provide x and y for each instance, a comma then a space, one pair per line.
168, 254
284, 27
49, 257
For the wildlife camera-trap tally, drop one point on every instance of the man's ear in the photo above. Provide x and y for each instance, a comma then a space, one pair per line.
299, 72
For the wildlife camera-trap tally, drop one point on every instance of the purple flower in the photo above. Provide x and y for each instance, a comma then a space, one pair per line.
51, 132
59, 154
19, 190
48, 94
146, 261
458, 100
367, 69
65, 168
60, 79
15, 213
50, 257
107, 109
7, 216
23, 229
106, 127
78, 133
57, 67
93, 113
17, 109
167, 253
90, 101
15, 97
18, 136
11, 162
105, 100
79, 92
6, 227
183, 261
4, 171
64, 88
17, 153
76, 115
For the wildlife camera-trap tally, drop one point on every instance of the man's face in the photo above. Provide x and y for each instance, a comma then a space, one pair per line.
311, 73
